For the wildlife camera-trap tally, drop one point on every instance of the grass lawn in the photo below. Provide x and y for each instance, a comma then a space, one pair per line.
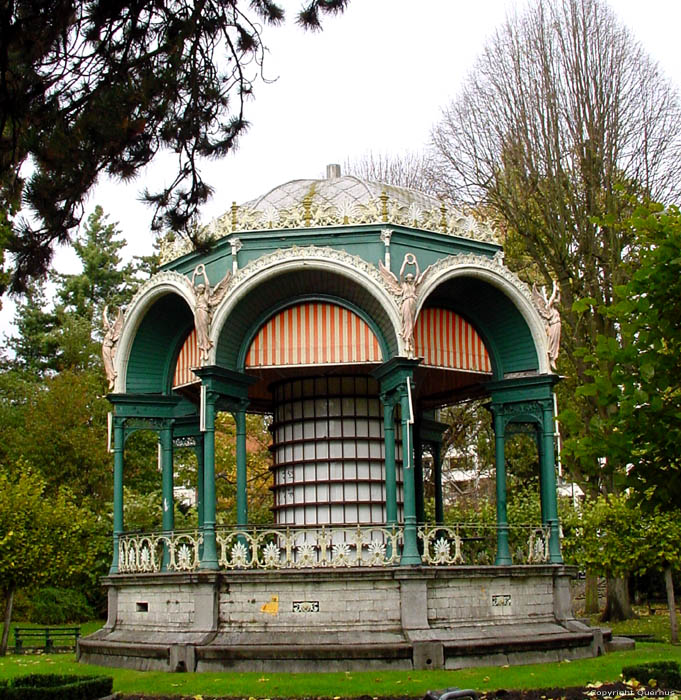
373, 684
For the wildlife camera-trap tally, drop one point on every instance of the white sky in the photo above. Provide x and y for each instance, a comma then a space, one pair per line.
374, 79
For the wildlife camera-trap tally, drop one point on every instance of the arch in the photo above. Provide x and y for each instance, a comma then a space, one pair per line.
498, 304
312, 332
445, 339
149, 345
273, 281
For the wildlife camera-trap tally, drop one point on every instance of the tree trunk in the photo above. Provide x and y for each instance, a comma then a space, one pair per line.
591, 603
617, 606
669, 585
9, 601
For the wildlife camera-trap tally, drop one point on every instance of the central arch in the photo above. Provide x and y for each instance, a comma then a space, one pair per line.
273, 286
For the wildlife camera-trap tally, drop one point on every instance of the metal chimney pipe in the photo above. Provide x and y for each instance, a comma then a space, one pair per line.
333, 170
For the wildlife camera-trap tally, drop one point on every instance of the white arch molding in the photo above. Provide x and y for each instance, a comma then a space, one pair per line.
274, 264
493, 272
154, 288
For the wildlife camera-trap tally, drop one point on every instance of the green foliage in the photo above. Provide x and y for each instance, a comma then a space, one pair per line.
634, 378
94, 87
58, 606
144, 511
665, 674
57, 687
258, 475
45, 537
613, 536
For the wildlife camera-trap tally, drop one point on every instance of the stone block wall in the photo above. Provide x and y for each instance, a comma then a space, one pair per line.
326, 601
481, 598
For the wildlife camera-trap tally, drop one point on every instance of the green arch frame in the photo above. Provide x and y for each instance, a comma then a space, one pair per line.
495, 317
157, 343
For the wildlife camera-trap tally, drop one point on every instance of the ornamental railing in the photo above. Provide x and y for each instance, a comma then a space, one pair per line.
152, 552
299, 548
472, 544
333, 547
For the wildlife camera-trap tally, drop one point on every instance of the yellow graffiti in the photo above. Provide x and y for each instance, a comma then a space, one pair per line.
271, 608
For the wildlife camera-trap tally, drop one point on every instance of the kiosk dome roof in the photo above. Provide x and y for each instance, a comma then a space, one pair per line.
341, 192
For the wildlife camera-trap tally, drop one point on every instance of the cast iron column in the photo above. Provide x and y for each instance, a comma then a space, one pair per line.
548, 485
390, 472
418, 474
410, 550
198, 451
503, 553
437, 480
241, 493
209, 559
118, 452
168, 523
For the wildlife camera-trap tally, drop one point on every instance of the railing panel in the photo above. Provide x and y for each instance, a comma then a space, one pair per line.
290, 548
334, 547
471, 544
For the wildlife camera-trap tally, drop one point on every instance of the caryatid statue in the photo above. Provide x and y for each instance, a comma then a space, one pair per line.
112, 332
205, 300
551, 315
406, 288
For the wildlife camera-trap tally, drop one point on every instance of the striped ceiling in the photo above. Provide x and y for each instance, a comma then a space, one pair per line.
444, 339
313, 333
321, 333
189, 357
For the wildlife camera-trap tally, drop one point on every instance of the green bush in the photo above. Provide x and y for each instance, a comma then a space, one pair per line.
666, 674
56, 687
58, 606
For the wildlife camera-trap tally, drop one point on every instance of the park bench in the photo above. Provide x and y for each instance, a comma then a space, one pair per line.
48, 639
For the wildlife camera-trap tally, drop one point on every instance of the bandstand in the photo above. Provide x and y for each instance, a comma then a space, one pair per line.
348, 311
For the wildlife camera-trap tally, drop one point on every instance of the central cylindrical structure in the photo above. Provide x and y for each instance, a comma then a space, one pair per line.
329, 452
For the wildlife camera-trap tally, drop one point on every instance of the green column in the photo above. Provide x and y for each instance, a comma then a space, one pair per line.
118, 452
166, 440
548, 485
241, 493
390, 473
209, 558
410, 551
168, 506
540, 453
437, 480
198, 451
418, 476
503, 552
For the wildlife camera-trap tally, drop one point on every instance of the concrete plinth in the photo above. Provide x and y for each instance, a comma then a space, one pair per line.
339, 619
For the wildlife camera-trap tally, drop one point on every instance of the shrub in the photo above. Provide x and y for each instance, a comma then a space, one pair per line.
666, 674
57, 606
56, 687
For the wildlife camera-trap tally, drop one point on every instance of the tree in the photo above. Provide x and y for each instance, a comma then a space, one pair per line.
88, 88
104, 278
41, 538
563, 118
636, 376
411, 170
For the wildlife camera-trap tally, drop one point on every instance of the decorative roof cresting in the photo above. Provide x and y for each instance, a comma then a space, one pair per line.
336, 201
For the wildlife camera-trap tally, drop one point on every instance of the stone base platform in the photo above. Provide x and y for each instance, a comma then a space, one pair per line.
340, 619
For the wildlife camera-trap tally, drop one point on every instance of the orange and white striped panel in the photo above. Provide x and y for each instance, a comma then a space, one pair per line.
189, 357
444, 339
313, 334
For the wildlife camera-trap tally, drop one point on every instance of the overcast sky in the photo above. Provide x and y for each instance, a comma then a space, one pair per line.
375, 79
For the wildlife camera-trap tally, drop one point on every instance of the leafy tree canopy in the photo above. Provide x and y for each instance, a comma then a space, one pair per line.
636, 377
88, 88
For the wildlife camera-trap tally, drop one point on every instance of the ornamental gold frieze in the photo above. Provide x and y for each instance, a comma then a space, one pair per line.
312, 214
